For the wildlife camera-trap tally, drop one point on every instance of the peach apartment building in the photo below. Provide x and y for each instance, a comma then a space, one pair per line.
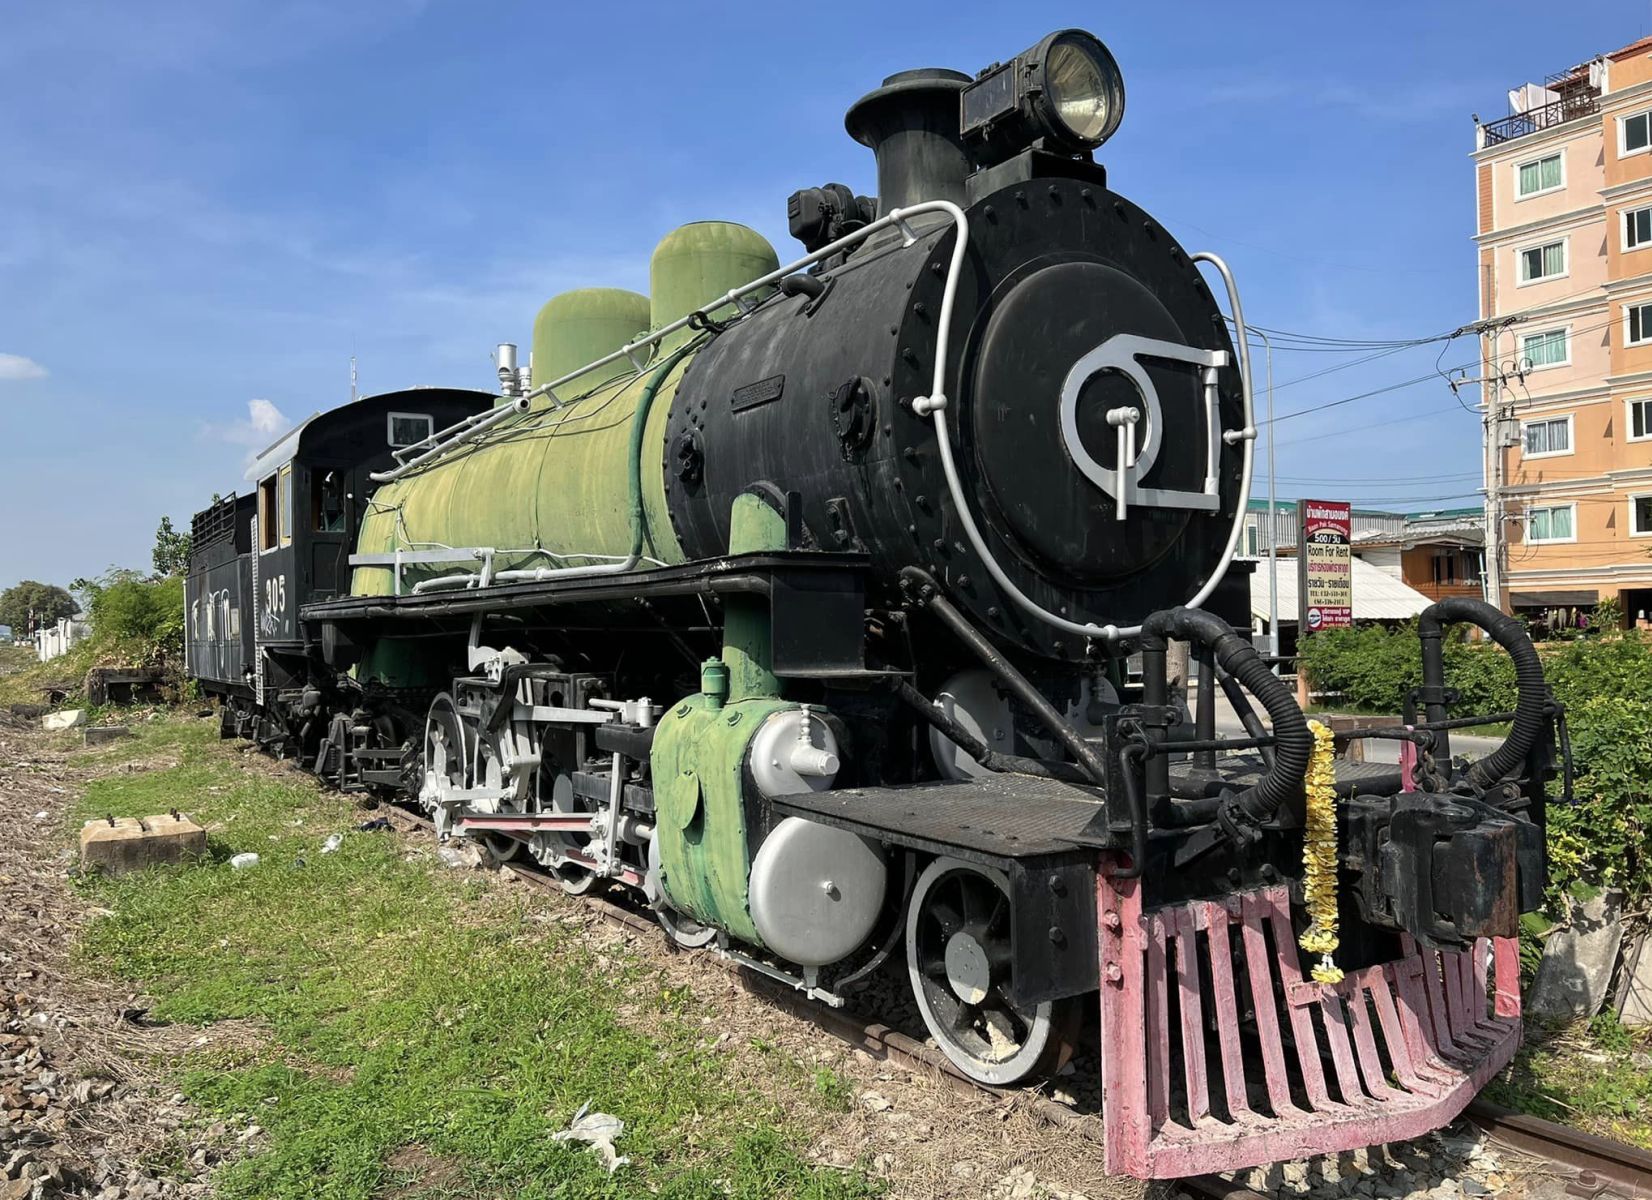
1564, 199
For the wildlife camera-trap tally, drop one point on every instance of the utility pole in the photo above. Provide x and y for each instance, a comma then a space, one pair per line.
1272, 536
1491, 392
1493, 470
1273, 539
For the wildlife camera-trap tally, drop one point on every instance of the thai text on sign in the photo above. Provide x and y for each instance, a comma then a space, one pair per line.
1327, 565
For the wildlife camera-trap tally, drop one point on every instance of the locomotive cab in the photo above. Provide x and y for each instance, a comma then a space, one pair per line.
257, 558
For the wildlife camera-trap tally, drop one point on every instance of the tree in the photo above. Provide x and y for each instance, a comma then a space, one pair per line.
171, 549
32, 605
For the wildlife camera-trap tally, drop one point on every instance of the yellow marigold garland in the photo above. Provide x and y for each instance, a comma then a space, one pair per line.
1319, 856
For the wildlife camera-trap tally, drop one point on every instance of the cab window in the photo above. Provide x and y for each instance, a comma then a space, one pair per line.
268, 506
284, 502
326, 502
409, 429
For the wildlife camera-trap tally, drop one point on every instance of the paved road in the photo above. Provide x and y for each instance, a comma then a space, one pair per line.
1227, 724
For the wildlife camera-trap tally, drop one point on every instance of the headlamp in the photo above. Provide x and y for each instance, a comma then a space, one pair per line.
1066, 95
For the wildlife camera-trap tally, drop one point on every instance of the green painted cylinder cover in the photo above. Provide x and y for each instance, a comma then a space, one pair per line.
581, 326
550, 487
696, 264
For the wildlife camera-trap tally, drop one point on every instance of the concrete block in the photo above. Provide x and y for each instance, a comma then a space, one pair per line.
1634, 1000
98, 735
121, 844
1576, 970
70, 718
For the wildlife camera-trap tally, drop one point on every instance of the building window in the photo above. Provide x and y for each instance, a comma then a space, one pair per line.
1445, 568
1640, 515
1640, 419
1637, 228
409, 429
1635, 133
268, 533
1541, 175
1637, 324
1552, 435
1547, 261
1551, 523
1251, 539
1548, 348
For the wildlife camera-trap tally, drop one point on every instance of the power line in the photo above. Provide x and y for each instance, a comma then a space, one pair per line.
1382, 391
1385, 480
1319, 437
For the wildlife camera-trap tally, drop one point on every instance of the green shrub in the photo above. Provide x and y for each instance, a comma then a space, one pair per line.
1365, 666
1370, 668
1615, 665
144, 615
1601, 840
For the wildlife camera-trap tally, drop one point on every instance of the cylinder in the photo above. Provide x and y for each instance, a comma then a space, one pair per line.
581, 326
696, 265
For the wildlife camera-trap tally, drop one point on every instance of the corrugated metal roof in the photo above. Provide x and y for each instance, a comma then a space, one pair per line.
1377, 596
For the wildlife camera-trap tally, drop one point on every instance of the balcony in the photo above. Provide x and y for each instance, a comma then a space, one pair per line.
1558, 112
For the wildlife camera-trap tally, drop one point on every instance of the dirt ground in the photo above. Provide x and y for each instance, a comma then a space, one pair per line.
87, 1109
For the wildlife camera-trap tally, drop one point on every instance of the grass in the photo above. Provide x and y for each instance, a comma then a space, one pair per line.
23, 680
1594, 1075
401, 1004
14, 657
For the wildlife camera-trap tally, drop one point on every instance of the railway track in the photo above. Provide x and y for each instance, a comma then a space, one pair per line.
1594, 1166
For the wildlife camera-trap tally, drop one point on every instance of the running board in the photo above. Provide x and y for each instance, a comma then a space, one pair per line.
1391, 1052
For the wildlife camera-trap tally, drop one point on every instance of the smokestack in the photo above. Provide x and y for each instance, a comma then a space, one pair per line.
911, 125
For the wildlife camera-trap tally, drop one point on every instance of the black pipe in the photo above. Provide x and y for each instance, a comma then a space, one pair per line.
1155, 689
925, 590
1247, 715
954, 731
1175, 812
1196, 745
1531, 706
1466, 722
1128, 758
1204, 718
1293, 742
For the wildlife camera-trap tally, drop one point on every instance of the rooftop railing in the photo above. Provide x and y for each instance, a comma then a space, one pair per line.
1557, 112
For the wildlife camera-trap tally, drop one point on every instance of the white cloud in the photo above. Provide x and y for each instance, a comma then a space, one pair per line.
264, 419
15, 366
264, 423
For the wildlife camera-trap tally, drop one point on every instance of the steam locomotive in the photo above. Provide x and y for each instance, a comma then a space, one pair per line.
798, 602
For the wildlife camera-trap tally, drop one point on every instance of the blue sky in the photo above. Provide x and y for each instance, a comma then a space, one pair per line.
206, 210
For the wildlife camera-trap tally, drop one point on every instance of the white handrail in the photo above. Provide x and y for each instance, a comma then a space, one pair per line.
971, 531
934, 405
897, 218
450, 438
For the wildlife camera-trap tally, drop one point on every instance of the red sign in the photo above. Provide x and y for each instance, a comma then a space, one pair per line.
1325, 572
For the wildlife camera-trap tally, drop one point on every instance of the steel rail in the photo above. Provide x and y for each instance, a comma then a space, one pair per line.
1599, 1164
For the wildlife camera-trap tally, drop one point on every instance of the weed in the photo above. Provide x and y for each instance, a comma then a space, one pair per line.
833, 1090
